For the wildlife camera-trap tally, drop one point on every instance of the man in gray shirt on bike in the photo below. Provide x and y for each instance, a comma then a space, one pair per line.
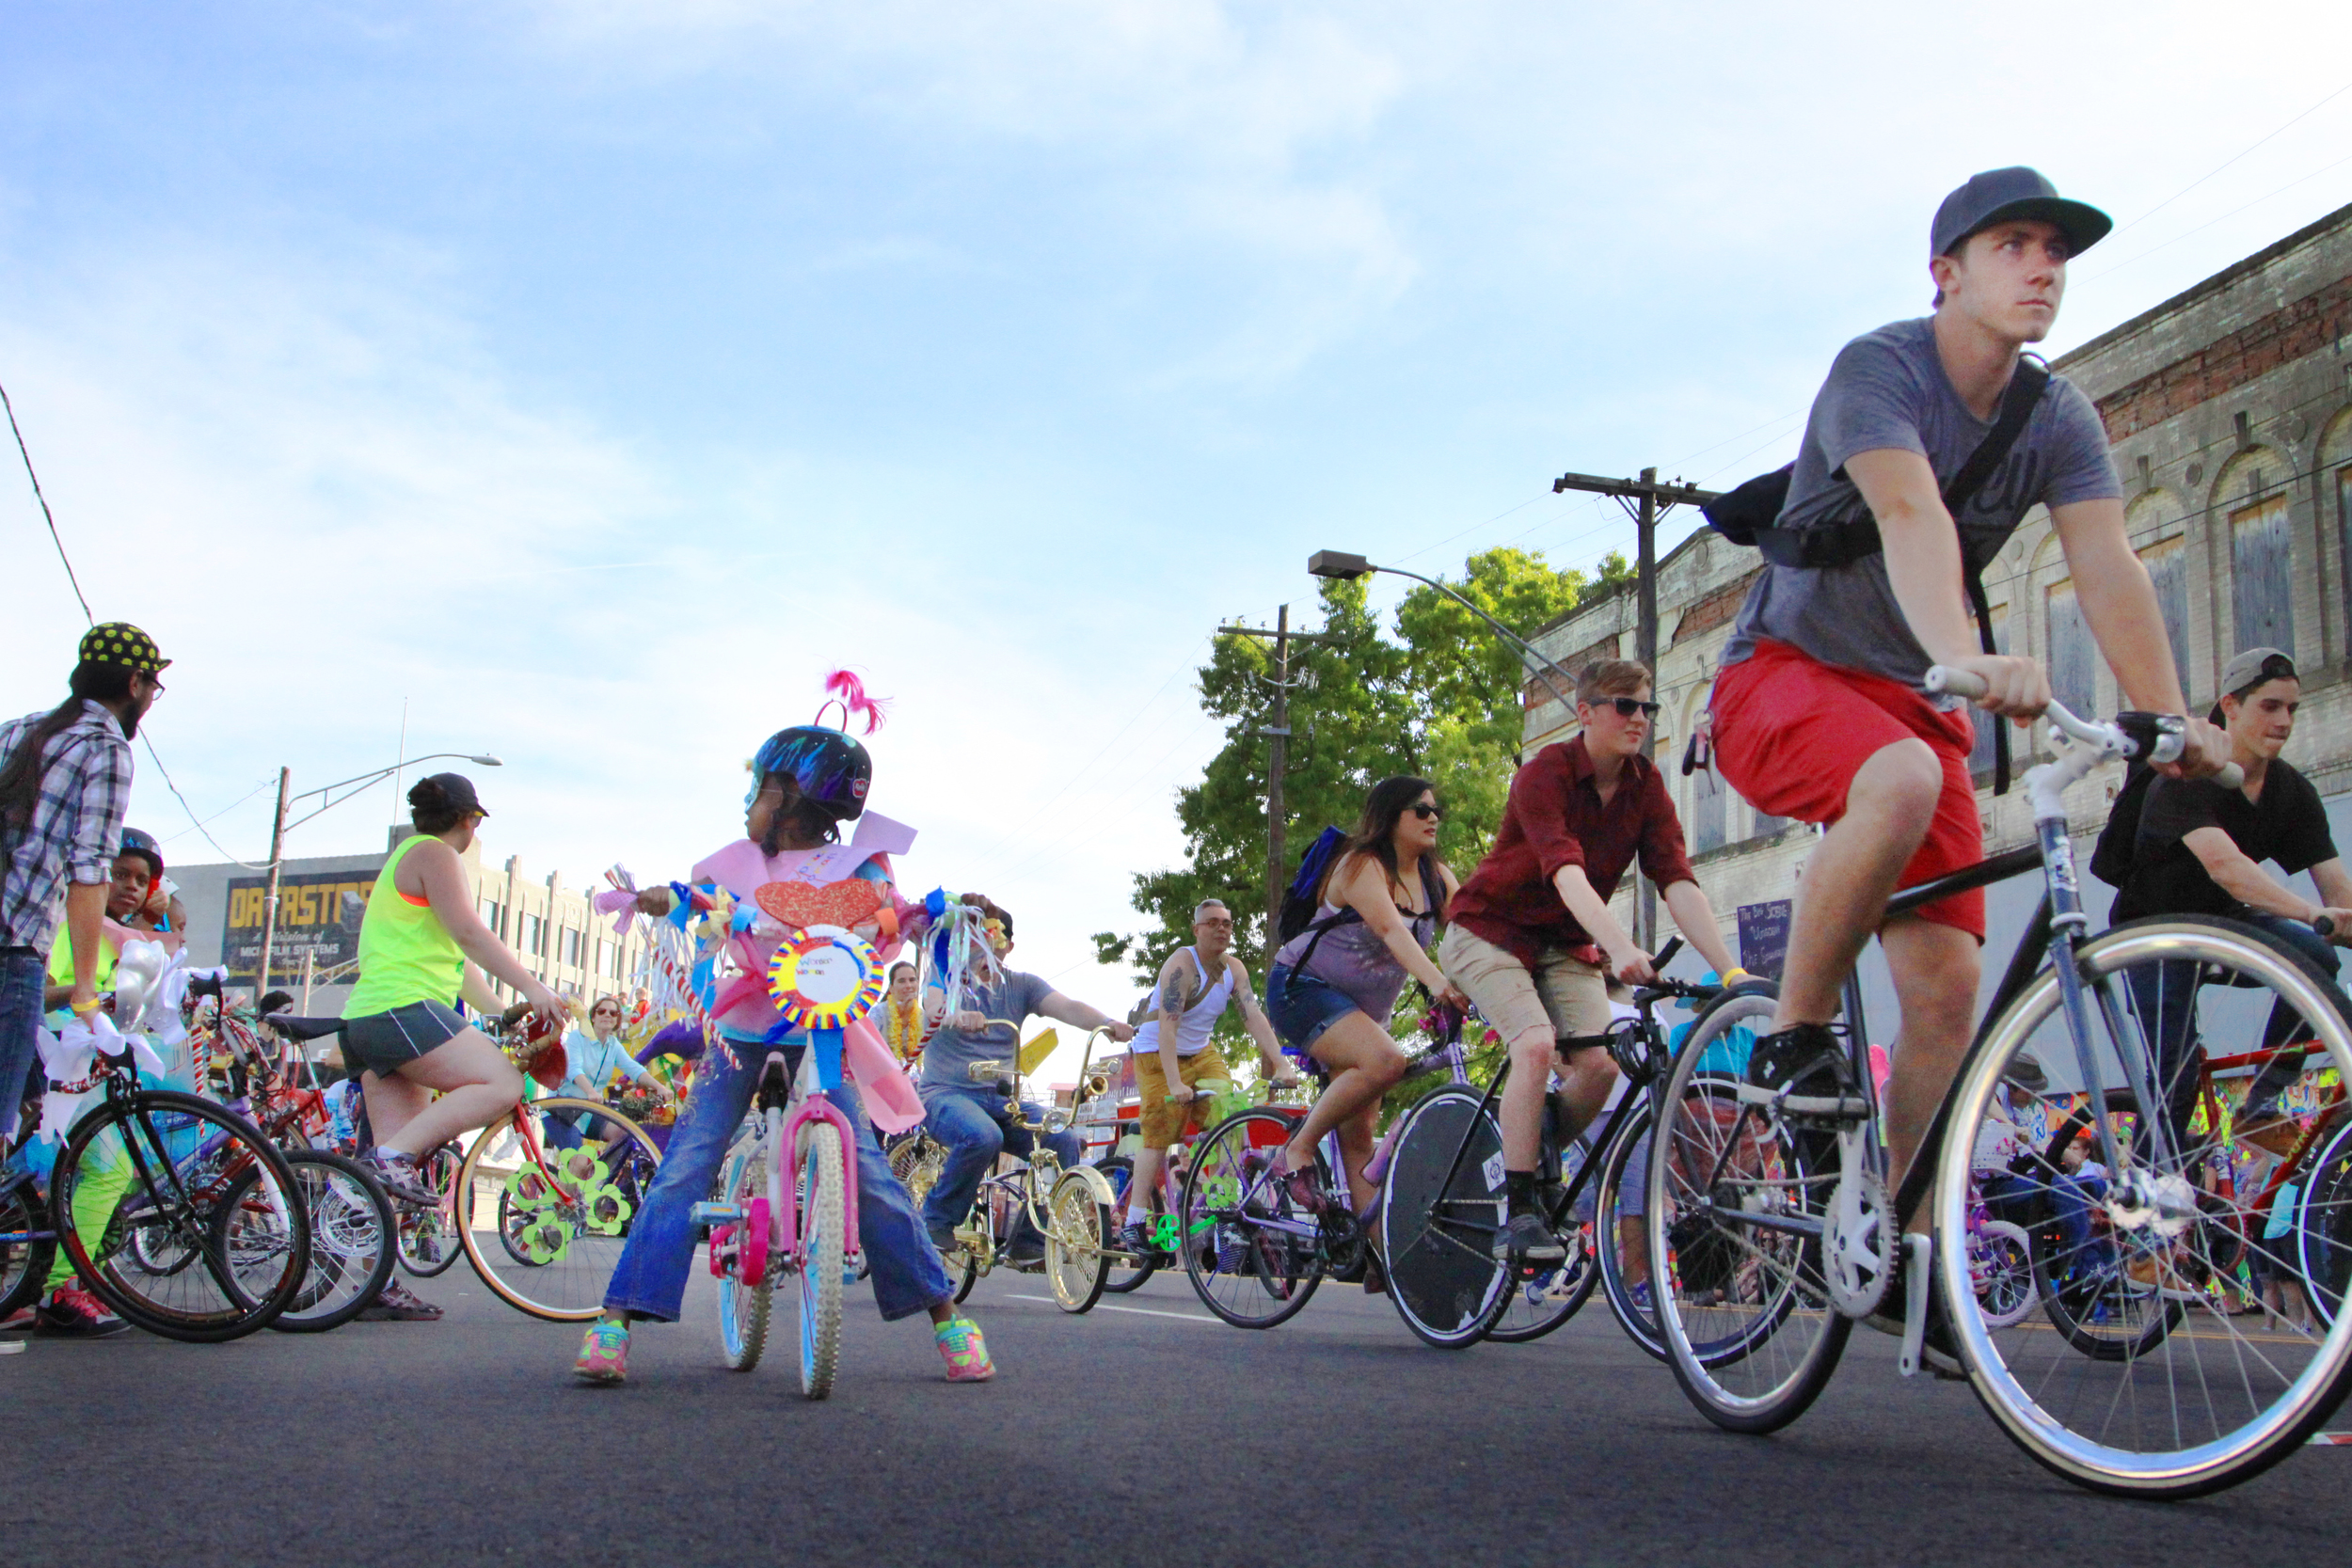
1820, 712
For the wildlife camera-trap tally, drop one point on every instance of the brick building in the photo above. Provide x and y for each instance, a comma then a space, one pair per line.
2229, 408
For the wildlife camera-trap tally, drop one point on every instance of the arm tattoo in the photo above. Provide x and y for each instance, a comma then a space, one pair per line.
1175, 986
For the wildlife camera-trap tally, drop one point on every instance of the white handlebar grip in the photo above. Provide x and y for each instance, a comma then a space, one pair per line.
1959, 683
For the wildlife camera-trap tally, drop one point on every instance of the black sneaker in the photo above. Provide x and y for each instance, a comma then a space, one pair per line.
1806, 1059
73, 1313
1527, 1239
1026, 1253
1136, 1237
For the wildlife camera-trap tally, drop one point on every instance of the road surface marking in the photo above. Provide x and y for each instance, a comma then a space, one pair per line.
1140, 1311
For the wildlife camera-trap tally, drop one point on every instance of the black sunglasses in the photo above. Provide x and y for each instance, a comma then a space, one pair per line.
1425, 813
1628, 706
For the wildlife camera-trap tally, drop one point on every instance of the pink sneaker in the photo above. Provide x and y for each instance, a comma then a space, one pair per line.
963, 1350
604, 1353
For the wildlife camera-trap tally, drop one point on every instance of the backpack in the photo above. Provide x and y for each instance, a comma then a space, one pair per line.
1749, 515
1302, 898
1299, 900
2118, 841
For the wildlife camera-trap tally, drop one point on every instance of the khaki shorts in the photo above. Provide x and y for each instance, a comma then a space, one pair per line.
1164, 1123
1564, 996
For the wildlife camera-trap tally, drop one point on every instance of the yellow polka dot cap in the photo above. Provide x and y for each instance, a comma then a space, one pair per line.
123, 645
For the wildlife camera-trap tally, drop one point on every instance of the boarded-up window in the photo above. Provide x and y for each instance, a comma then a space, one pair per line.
2262, 564
2073, 676
2343, 525
1980, 756
2168, 568
1708, 800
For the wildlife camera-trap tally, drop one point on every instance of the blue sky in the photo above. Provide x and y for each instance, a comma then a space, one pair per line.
592, 376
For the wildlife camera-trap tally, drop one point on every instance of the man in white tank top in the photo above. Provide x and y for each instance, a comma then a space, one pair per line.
1172, 1054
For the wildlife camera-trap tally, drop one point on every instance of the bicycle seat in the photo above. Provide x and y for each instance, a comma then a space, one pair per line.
304, 1028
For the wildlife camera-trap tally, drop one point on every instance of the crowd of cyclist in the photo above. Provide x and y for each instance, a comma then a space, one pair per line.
1820, 715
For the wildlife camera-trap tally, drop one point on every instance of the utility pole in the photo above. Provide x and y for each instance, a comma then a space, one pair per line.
1278, 735
269, 906
1644, 501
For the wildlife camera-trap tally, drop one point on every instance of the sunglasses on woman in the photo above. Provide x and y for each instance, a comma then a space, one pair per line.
1426, 812
1628, 706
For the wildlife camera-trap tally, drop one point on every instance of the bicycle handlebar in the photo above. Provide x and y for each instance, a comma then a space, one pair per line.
2119, 738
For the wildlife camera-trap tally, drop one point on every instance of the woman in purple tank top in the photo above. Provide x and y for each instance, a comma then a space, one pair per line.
1332, 986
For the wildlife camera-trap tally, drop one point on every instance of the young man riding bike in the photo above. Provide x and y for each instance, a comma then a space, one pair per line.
1820, 712
1531, 940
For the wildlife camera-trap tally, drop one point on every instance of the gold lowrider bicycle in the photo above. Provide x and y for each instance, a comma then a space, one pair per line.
1071, 1209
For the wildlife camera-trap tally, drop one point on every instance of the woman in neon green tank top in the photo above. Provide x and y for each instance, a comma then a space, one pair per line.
421, 946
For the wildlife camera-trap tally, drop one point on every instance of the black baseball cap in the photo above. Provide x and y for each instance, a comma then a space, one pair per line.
2001, 194
456, 792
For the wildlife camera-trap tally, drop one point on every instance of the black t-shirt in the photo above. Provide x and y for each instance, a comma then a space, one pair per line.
2287, 825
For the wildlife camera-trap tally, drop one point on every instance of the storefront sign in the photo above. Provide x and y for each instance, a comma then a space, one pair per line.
318, 914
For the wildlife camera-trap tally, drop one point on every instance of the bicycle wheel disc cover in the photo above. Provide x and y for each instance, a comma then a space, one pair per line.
1442, 1265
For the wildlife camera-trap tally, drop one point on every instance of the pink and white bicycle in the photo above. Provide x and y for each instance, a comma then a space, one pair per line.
787, 1206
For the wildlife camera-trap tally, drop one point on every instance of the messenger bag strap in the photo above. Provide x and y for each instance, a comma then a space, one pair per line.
2032, 378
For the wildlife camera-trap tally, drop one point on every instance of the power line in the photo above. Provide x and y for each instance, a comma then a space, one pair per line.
2190, 233
46, 514
91, 619
2227, 161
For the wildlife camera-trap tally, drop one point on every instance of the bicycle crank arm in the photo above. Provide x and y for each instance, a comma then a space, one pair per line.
1790, 1225
1919, 1257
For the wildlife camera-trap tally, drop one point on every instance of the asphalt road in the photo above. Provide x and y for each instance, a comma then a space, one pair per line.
1145, 1433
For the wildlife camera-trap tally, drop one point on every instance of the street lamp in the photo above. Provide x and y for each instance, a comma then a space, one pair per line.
350, 786
1343, 568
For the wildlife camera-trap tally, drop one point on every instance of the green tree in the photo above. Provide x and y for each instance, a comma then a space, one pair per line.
1441, 697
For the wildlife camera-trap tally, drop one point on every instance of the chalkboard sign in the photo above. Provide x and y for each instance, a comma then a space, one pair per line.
1764, 936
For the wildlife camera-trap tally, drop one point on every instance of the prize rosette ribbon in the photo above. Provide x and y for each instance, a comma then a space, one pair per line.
822, 979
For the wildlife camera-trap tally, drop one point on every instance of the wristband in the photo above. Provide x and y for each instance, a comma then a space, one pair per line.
83, 1009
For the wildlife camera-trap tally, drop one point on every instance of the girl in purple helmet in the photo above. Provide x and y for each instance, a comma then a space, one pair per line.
805, 782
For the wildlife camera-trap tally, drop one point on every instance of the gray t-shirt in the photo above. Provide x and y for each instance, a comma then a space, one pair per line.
951, 1051
1887, 389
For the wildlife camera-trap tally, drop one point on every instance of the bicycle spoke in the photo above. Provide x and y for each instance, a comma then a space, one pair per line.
2151, 1367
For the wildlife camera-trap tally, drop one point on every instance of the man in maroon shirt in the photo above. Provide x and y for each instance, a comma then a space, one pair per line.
1530, 937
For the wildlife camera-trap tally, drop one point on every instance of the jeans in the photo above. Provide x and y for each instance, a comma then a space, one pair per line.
976, 1127
2071, 1198
22, 977
650, 1280
2164, 996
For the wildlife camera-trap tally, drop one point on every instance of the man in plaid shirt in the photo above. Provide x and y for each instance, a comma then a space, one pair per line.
65, 781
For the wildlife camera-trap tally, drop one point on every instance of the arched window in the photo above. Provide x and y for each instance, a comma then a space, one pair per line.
1709, 800
2074, 657
2335, 465
2251, 494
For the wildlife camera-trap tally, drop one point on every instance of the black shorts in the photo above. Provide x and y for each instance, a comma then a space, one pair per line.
384, 1042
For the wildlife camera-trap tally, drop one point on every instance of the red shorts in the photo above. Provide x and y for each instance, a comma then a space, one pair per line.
1791, 732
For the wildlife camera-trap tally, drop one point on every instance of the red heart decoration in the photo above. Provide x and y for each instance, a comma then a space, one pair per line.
799, 905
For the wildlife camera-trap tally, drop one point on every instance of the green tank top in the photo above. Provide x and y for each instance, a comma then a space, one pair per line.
405, 954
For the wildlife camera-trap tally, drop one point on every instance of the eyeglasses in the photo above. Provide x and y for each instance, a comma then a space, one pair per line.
1628, 706
604, 1012
1214, 925
1425, 811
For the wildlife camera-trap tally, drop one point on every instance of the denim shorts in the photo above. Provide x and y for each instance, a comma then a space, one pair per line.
386, 1041
1301, 1008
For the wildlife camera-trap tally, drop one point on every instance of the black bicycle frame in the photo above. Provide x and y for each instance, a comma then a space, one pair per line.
1649, 1084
